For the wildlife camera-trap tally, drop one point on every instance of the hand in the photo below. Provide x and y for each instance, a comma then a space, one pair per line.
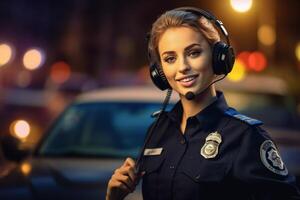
209, 30
123, 181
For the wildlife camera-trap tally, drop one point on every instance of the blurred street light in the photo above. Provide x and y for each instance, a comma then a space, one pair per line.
266, 35
266, 29
60, 72
6, 54
26, 168
244, 57
20, 129
253, 61
257, 61
241, 5
33, 59
297, 51
238, 72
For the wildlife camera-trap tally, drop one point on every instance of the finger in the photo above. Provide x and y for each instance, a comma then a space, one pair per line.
119, 185
132, 173
206, 24
125, 172
126, 180
129, 162
209, 30
129, 168
123, 178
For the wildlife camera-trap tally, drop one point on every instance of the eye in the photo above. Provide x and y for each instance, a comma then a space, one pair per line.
194, 53
170, 59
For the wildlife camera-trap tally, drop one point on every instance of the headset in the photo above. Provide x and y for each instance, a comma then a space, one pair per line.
222, 53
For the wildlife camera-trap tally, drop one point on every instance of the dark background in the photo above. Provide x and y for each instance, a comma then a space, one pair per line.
98, 38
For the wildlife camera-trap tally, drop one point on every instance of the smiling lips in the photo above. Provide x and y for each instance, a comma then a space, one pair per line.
187, 81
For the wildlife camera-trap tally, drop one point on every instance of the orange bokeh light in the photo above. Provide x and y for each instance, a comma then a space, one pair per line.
257, 61
60, 72
244, 58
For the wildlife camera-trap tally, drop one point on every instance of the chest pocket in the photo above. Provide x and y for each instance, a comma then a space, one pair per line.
205, 171
152, 163
151, 180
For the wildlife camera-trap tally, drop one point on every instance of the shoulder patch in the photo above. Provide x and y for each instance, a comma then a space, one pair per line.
232, 112
271, 159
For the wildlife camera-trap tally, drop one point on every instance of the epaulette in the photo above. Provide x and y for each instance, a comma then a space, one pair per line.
232, 112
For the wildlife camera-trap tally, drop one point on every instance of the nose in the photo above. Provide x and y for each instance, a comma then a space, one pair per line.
184, 66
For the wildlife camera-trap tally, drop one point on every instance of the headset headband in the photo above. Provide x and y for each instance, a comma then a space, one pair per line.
209, 16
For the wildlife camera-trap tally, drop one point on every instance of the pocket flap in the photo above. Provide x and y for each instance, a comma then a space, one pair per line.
152, 163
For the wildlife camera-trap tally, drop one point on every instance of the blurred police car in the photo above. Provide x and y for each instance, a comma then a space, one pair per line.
87, 142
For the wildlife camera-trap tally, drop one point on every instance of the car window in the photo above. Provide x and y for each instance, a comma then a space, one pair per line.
100, 129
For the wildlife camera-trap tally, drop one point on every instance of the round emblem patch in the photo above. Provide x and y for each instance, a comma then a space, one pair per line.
271, 159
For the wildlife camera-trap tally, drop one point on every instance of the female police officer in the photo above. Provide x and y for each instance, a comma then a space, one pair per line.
201, 149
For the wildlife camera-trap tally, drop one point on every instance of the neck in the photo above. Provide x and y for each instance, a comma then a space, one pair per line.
192, 107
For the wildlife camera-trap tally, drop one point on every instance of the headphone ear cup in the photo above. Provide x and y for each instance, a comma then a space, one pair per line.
158, 77
223, 58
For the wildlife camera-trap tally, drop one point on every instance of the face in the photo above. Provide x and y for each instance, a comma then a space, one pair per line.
186, 59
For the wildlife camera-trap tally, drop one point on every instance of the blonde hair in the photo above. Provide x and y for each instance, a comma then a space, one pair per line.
179, 18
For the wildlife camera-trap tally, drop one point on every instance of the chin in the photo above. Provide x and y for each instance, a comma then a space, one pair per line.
183, 92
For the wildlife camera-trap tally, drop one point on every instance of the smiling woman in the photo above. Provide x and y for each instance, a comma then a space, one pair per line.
186, 60
202, 148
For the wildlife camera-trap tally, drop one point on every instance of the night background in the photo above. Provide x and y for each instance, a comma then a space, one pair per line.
51, 51
105, 40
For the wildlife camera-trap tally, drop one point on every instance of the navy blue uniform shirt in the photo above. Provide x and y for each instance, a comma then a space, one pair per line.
221, 155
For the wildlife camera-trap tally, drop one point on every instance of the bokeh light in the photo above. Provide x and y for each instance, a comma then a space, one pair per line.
26, 168
33, 59
60, 72
20, 129
238, 72
297, 51
6, 54
241, 5
244, 57
257, 61
266, 35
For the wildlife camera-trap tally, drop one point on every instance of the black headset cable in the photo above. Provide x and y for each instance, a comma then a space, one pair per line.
139, 160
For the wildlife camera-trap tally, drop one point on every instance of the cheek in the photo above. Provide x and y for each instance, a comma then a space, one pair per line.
169, 72
203, 64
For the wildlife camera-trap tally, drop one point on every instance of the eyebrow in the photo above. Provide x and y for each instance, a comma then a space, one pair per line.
185, 49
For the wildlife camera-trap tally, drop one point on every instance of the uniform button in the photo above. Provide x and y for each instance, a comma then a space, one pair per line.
197, 177
182, 141
172, 167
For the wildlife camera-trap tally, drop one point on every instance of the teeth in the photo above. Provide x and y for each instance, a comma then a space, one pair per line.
187, 79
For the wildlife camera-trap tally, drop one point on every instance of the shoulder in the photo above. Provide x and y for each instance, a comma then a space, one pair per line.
242, 118
247, 127
244, 129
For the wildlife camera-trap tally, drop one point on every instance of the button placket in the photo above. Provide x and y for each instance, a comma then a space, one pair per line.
182, 141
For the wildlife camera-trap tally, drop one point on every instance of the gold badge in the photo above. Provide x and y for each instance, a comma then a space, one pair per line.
211, 146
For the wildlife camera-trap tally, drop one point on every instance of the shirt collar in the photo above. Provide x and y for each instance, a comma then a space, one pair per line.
213, 110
